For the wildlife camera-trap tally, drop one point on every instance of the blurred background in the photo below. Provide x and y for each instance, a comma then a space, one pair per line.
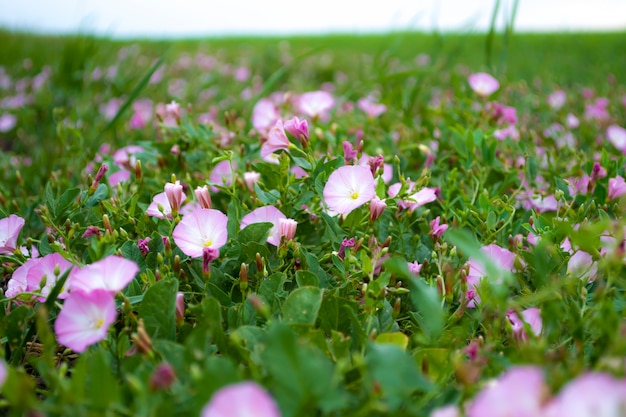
193, 18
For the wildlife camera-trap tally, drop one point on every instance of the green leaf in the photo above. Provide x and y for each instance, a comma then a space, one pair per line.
158, 309
93, 376
395, 372
307, 279
67, 199
395, 338
100, 194
302, 306
255, 232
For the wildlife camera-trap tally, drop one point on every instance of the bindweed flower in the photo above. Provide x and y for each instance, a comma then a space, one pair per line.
483, 84
581, 264
43, 274
299, 129
414, 267
349, 153
127, 157
315, 104
160, 206
276, 140
617, 187
199, 229
142, 244
163, 377
532, 316
3, 373
519, 392
424, 196
264, 115
617, 136
377, 208
112, 274
348, 188
203, 196
590, 395
85, 318
175, 196
222, 174
7, 122
503, 259
10, 228
287, 229
370, 107
557, 99
180, 307
251, 178
437, 229
446, 411
18, 282
266, 214
244, 399
346, 243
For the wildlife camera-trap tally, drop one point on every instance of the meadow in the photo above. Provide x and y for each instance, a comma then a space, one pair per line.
405, 224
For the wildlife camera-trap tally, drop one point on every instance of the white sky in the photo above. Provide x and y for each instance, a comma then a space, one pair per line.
162, 18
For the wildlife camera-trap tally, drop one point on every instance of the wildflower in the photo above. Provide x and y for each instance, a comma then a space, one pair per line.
590, 395
276, 140
346, 243
264, 115
251, 178
142, 244
436, 229
299, 129
112, 273
163, 377
10, 228
597, 110
519, 392
222, 174
7, 122
483, 84
180, 307
581, 264
370, 107
241, 400
3, 372
316, 104
175, 195
126, 157
160, 206
377, 207
348, 188
203, 196
503, 259
266, 214
18, 282
85, 318
532, 316
424, 196
556, 100
43, 274
446, 411
617, 187
617, 136
199, 229
414, 267
287, 228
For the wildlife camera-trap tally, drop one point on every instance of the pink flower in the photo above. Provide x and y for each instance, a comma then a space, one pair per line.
199, 229
377, 208
581, 264
590, 395
244, 399
203, 196
503, 259
276, 140
572, 121
222, 174
7, 122
436, 229
18, 282
264, 115
617, 136
163, 377
532, 316
348, 188
10, 228
424, 196
175, 196
446, 411
370, 107
617, 187
299, 129
85, 319
180, 307
483, 84
287, 228
414, 267
269, 214
519, 392
3, 372
556, 100
50, 267
160, 206
126, 157
112, 274
597, 110
251, 178
316, 104
118, 177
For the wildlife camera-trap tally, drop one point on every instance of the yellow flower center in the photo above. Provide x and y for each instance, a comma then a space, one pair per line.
354, 195
208, 243
99, 323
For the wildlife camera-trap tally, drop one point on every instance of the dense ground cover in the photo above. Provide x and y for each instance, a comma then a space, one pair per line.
329, 226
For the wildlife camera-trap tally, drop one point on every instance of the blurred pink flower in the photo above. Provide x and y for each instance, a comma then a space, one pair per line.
315, 104
483, 84
7, 122
10, 228
590, 395
112, 273
200, 229
532, 316
556, 100
370, 107
617, 187
437, 229
118, 177
519, 392
299, 129
264, 115
617, 136
348, 188
126, 156
222, 174
504, 259
581, 264
245, 399
446, 411
597, 110
424, 196
251, 178
414, 267
269, 214
50, 267
18, 282
85, 319
276, 140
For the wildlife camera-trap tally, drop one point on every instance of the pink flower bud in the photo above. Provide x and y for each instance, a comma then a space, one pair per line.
299, 129
287, 228
203, 196
101, 171
617, 187
377, 207
436, 229
251, 178
180, 307
163, 377
208, 255
174, 193
414, 267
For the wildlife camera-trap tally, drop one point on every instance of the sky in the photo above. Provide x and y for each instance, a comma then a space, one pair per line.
185, 18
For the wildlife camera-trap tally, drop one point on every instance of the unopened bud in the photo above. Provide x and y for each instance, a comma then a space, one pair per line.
180, 307
138, 171
163, 377
107, 224
243, 277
